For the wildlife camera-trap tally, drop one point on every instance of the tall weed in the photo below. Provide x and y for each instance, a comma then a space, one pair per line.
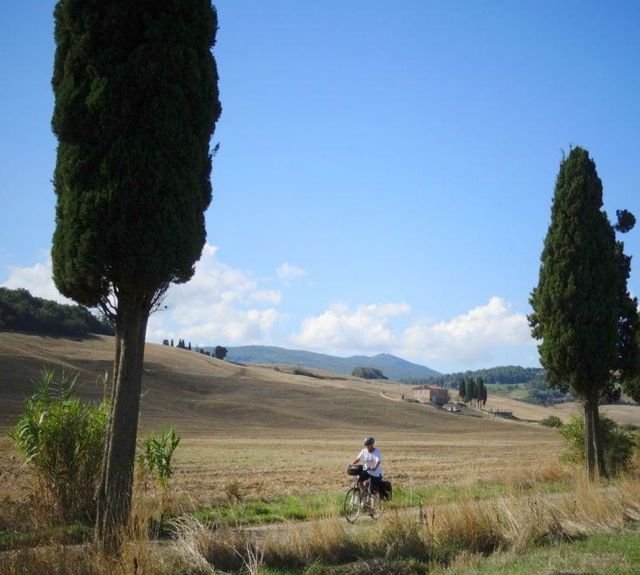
62, 438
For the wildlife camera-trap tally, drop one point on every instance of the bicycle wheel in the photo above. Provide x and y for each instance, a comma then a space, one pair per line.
351, 509
375, 507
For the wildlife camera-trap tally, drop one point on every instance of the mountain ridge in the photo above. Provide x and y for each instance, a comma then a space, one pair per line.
393, 367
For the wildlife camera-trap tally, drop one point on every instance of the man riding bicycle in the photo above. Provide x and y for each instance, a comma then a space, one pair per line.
371, 459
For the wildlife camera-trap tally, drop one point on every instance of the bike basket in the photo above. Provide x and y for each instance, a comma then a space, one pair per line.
354, 469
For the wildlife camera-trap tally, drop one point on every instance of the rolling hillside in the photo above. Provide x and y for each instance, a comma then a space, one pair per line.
393, 367
205, 395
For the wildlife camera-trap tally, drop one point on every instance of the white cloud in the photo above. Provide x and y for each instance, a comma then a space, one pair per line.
288, 272
220, 305
342, 330
38, 280
228, 306
480, 336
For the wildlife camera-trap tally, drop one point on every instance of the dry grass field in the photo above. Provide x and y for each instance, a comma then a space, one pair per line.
258, 433
621, 414
268, 431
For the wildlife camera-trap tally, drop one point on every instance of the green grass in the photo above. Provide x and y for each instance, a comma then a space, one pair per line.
304, 508
260, 512
615, 553
604, 553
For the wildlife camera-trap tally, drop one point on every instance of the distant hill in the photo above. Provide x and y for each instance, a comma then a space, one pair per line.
391, 366
505, 374
218, 399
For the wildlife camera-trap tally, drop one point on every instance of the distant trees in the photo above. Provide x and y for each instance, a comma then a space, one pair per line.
507, 374
472, 389
20, 311
183, 345
136, 104
581, 308
220, 352
368, 373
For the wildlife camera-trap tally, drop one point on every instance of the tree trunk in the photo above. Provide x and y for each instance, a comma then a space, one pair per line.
115, 489
593, 450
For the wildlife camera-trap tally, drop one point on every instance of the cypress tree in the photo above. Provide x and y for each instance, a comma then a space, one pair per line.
136, 103
575, 304
462, 388
628, 366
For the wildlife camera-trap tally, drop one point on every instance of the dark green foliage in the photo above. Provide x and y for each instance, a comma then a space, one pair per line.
541, 393
62, 438
628, 345
551, 421
469, 390
581, 305
20, 311
462, 387
618, 443
368, 373
136, 104
575, 305
508, 374
626, 221
220, 352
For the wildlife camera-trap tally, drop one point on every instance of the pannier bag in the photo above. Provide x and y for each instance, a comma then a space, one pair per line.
354, 469
386, 491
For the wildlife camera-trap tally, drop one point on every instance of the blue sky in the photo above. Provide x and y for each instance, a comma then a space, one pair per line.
385, 173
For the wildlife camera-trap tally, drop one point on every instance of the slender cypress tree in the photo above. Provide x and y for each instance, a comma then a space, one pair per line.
628, 367
575, 304
136, 103
462, 389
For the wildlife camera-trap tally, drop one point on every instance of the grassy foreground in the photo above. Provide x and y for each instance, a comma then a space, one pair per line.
592, 528
615, 553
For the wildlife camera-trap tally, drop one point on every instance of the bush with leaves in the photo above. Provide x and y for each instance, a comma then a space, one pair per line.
157, 453
618, 444
551, 421
62, 438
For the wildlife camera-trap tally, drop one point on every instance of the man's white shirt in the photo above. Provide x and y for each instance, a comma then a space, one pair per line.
370, 459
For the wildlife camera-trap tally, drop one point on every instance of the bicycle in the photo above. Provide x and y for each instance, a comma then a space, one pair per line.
361, 500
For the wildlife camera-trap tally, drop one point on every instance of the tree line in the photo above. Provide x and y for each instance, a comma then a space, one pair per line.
219, 352
20, 311
507, 374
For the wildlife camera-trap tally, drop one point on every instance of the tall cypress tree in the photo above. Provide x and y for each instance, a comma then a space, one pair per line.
575, 304
136, 103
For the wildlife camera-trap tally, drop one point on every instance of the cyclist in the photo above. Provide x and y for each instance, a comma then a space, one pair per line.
371, 459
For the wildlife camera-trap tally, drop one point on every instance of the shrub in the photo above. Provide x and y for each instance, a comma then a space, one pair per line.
157, 453
551, 421
368, 373
618, 444
62, 438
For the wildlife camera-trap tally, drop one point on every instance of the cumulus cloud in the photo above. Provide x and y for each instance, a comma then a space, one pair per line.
221, 304
342, 330
229, 306
38, 279
477, 337
287, 273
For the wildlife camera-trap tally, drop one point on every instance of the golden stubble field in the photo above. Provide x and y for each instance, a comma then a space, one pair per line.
265, 432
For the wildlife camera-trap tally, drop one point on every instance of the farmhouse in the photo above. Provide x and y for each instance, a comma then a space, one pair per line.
431, 394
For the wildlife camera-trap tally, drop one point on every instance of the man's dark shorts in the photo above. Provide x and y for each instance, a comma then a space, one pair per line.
375, 481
